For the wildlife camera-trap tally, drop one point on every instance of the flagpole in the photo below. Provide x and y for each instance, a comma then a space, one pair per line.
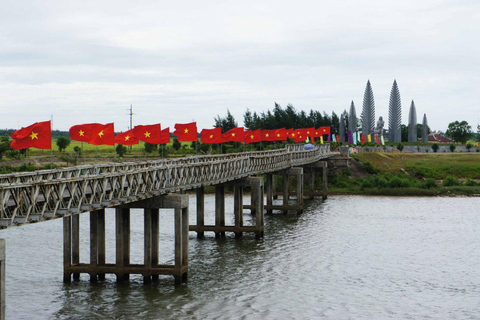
51, 150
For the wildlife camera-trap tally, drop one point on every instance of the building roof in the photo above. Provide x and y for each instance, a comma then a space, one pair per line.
438, 138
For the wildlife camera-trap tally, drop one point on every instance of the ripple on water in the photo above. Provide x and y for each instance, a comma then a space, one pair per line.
348, 257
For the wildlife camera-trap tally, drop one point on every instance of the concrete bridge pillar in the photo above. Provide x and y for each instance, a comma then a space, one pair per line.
122, 268
256, 206
288, 174
313, 169
2, 279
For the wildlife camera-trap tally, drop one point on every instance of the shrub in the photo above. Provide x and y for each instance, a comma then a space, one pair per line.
470, 183
346, 172
27, 167
150, 147
435, 147
77, 150
121, 150
176, 144
451, 181
469, 146
400, 147
63, 143
452, 148
429, 183
370, 168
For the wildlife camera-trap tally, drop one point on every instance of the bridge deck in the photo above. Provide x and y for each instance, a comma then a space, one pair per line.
49, 194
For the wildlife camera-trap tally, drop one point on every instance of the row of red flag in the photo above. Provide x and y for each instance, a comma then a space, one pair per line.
39, 135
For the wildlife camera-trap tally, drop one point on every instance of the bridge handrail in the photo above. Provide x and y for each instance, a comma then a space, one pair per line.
83, 170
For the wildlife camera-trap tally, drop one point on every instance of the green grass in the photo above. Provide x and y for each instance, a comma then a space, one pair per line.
437, 165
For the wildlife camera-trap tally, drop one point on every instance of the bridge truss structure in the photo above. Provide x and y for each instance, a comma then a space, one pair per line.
50, 194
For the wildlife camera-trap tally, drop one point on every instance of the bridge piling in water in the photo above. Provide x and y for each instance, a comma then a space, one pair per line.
122, 268
2, 279
256, 206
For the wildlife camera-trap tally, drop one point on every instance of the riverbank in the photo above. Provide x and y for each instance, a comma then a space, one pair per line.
409, 174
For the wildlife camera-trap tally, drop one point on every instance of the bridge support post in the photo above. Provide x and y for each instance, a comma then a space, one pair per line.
299, 173
97, 244
2, 279
286, 191
270, 192
256, 206
274, 186
200, 211
310, 177
257, 203
219, 210
316, 167
71, 247
324, 180
67, 249
122, 243
287, 175
122, 268
238, 209
75, 244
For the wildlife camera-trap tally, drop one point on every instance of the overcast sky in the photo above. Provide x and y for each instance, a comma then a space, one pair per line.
182, 61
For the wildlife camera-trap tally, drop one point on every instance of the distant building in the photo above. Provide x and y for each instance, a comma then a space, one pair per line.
438, 138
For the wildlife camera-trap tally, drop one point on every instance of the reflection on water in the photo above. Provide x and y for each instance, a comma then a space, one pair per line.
348, 257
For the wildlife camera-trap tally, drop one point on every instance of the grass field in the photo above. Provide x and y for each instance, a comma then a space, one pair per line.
432, 165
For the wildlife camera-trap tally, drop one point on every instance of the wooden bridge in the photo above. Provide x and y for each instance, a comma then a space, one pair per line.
49, 194
152, 185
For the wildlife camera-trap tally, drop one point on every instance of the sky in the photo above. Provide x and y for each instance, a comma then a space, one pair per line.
182, 61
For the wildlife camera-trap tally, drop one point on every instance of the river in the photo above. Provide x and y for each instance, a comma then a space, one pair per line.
350, 257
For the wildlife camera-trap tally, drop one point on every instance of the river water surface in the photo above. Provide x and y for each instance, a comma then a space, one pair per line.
349, 257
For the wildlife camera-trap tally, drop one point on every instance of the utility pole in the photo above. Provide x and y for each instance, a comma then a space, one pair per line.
131, 117
131, 122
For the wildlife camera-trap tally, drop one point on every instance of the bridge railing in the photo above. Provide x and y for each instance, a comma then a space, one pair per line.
53, 198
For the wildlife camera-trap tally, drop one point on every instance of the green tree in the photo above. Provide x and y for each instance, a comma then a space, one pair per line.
435, 147
452, 147
419, 130
469, 146
459, 131
404, 132
150, 147
62, 143
176, 144
400, 147
121, 150
4, 145
226, 123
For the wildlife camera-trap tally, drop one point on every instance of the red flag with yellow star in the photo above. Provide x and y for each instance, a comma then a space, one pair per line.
82, 132
268, 135
165, 136
211, 135
252, 136
149, 133
126, 138
103, 134
300, 135
233, 135
281, 134
37, 135
186, 131
324, 130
